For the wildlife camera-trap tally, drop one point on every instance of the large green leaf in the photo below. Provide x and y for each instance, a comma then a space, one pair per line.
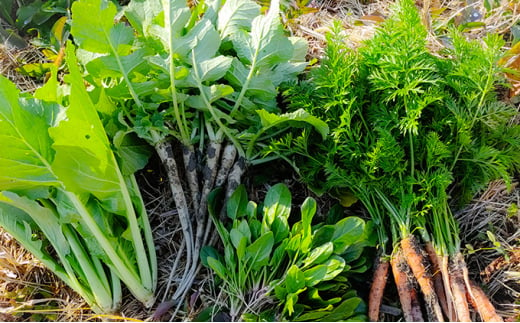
25, 152
237, 204
269, 120
95, 31
140, 14
83, 159
267, 44
295, 279
236, 15
347, 232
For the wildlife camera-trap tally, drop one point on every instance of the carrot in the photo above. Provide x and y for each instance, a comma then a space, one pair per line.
447, 287
416, 261
437, 279
481, 302
377, 289
458, 289
417, 315
399, 270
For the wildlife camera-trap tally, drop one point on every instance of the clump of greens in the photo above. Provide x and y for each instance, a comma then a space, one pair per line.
414, 135
201, 81
304, 269
68, 198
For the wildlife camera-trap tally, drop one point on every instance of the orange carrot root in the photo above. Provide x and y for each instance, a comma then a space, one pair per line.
377, 289
399, 270
481, 302
447, 287
438, 284
458, 289
416, 261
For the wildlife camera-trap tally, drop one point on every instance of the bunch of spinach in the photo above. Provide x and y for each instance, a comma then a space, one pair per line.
305, 268
68, 198
413, 136
199, 82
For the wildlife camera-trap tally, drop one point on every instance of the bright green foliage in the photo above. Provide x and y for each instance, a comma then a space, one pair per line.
62, 188
306, 268
410, 130
208, 72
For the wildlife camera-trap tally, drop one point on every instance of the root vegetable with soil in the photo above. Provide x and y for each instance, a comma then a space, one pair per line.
411, 139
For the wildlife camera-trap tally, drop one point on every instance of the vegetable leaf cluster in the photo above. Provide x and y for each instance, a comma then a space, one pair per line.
410, 130
62, 178
305, 267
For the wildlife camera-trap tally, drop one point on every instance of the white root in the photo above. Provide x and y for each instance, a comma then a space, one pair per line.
190, 165
209, 175
235, 176
165, 152
228, 158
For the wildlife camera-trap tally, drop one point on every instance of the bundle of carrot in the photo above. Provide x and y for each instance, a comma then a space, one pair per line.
414, 135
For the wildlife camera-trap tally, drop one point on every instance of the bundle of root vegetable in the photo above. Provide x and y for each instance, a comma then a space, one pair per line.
444, 282
414, 135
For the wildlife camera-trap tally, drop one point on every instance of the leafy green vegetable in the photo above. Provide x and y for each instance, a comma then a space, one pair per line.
204, 78
413, 135
61, 177
277, 260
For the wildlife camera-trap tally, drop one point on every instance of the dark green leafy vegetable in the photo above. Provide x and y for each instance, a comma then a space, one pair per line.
278, 260
203, 79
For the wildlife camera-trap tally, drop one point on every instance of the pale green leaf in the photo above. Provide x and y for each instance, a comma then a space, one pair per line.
235, 15
213, 69
25, 152
83, 158
140, 13
93, 30
277, 203
110, 66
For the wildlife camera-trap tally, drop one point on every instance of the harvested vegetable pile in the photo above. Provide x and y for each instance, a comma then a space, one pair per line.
413, 137
124, 153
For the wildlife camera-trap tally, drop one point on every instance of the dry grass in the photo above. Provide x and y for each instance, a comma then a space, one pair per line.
30, 291
491, 228
11, 59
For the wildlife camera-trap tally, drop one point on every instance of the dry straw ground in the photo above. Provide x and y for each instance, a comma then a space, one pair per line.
490, 226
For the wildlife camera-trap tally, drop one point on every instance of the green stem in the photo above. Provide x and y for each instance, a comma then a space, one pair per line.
123, 268
211, 110
179, 117
238, 102
147, 230
141, 256
96, 278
